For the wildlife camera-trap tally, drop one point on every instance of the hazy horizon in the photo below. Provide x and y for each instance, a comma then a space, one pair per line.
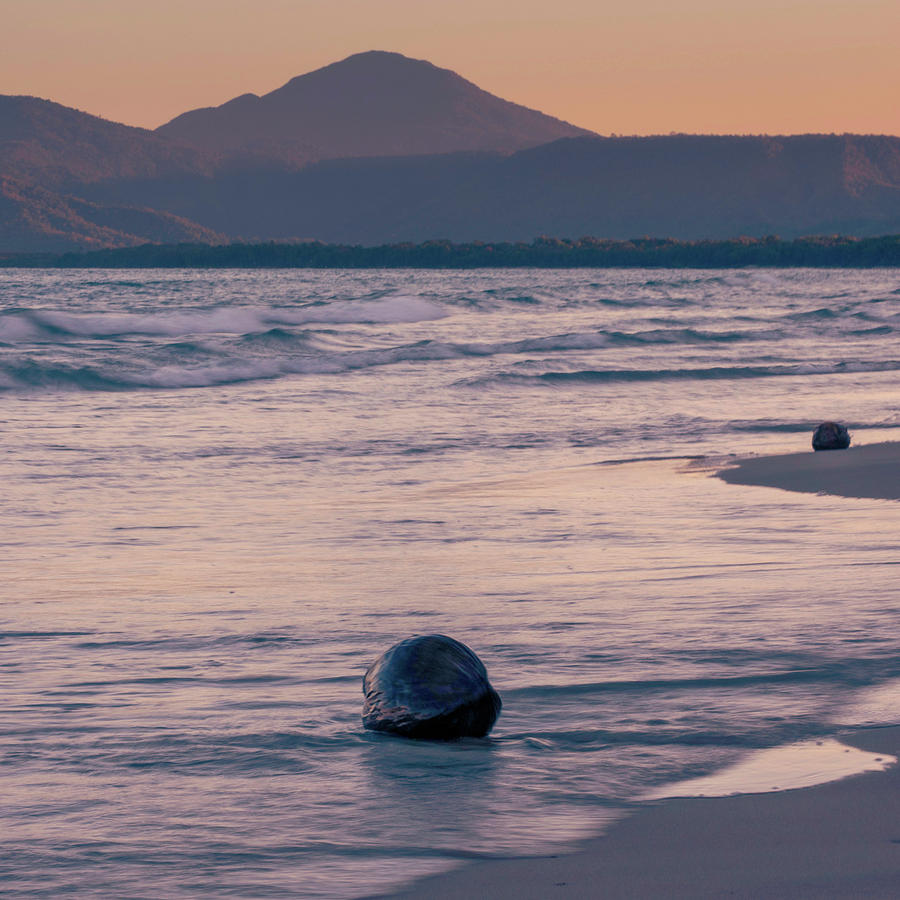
773, 68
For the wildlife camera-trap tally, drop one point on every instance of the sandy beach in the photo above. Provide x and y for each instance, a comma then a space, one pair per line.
870, 471
837, 840
840, 839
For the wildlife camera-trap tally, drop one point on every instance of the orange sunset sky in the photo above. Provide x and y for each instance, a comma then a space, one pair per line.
634, 67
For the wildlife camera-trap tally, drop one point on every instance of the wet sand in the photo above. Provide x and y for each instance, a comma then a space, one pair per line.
836, 840
870, 471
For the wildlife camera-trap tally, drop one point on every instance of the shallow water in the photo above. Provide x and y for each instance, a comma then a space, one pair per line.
788, 767
226, 492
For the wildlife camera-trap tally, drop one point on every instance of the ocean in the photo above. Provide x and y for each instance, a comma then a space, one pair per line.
225, 493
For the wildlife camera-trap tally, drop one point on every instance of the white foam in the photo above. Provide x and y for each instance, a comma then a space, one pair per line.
31, 324
792, 766
230, 372
386, 310
206, 376
235, 320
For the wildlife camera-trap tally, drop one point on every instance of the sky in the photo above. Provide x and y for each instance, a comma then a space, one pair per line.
639, 67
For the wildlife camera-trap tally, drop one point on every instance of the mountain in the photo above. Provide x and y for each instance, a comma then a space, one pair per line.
34, 219
53, 144
49, 152
370, 104
683, 186
445, 160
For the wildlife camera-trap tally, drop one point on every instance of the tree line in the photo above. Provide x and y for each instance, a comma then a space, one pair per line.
834, 251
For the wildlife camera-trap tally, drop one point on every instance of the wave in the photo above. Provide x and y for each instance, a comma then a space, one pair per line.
193, 368
599, 340
272, 325
266, 351
710, 373
870, 309
831, 673
172, 348
22, 325
197, 367
30, 374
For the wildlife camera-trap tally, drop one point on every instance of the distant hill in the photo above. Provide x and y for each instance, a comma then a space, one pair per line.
53, 144
49, 151
370, 104
380, 148
34, 219
687, 187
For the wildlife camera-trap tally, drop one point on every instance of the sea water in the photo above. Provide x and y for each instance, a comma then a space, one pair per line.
226, 492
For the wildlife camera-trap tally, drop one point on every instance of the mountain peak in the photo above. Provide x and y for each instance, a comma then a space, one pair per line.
380, 57
375, 103
371, 70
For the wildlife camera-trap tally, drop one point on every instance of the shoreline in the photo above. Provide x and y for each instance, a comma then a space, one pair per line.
834, 840
871, 471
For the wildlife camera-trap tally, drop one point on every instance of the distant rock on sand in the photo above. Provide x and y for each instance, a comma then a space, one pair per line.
831, 436
430, 687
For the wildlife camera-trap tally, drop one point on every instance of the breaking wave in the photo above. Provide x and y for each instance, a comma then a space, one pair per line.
700, 374
128, 334
37, 324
